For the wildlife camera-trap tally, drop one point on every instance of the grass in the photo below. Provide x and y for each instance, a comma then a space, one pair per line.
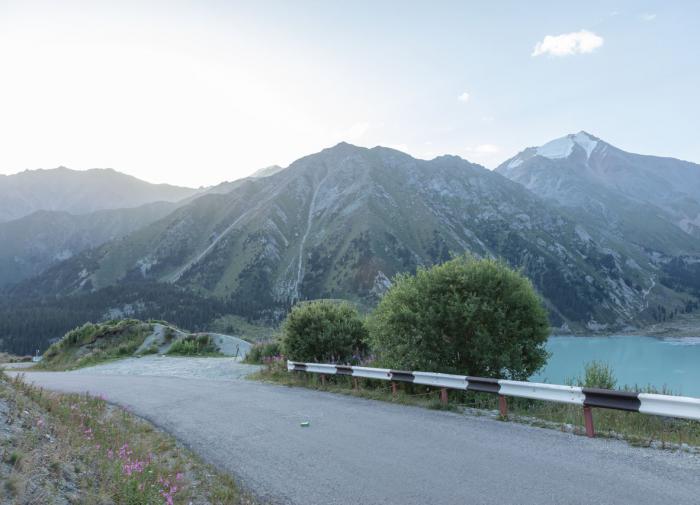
637, 429
92, 344
262, 352
194, 345
94, 453
11, 358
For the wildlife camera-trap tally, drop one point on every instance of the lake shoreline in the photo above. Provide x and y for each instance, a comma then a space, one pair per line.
684, 326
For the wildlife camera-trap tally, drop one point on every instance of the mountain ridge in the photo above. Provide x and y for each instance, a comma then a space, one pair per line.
341, 223
79, 191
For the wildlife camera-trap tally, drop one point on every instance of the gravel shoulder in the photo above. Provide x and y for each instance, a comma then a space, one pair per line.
364, 451
173, 366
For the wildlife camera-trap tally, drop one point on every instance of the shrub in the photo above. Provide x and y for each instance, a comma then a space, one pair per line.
194, 345
259, 352
598, 375
323, 331
466, 316
169, 334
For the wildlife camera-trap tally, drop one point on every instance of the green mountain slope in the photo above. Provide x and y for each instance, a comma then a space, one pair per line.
33, 243
342, 222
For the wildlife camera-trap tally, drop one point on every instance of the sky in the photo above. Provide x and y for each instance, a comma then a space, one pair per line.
195, 93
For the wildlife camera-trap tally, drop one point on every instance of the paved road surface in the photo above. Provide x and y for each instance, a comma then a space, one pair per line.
365, 452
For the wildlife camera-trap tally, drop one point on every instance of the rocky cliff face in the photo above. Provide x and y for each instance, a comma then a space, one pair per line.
630, 194
644, 207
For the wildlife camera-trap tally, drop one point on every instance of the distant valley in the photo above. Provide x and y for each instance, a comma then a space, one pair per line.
610, 239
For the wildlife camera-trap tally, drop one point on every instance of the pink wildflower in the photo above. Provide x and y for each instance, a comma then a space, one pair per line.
124, 451
133, 467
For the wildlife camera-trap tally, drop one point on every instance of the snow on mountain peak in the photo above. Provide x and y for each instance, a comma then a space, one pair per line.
563, 147
558, 148
586, 141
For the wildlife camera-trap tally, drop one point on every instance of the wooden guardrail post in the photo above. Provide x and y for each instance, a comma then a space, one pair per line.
502, 406
393, 388
588, 421
443, 396
323, 379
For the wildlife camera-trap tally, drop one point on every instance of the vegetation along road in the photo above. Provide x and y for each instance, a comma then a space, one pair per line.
363, 451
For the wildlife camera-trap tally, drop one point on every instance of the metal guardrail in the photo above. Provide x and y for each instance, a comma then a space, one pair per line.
682, 407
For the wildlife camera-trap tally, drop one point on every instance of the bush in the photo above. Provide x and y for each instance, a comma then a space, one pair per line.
259, 352
193, 345
466, 316
323, 332
598, 375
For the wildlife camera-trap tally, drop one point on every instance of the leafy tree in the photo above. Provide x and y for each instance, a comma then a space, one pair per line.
323, 331
466, 316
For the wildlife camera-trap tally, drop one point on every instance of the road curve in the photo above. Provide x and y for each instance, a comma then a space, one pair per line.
360, 451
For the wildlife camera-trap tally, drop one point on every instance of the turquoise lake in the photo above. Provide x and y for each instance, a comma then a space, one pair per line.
674, 363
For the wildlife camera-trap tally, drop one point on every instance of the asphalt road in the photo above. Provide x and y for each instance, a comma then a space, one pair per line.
360, 451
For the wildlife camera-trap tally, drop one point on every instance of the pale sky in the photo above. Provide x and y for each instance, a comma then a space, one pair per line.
194, 93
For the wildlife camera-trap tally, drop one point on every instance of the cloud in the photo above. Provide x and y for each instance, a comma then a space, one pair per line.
464, 97
648, 16
566, 44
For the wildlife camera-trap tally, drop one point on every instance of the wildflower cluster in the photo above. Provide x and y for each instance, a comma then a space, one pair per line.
138, 476
123, 459
169, 487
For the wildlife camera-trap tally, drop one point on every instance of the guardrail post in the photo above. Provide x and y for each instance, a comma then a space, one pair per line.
588, 421
355, 383
502, 406
443, 396
323, 379
393, 388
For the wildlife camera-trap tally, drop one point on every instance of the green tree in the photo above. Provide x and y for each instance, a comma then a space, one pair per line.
466, 316
323, 332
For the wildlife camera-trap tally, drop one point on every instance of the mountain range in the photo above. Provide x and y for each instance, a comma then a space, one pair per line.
33, 243
609, 239
79, 192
